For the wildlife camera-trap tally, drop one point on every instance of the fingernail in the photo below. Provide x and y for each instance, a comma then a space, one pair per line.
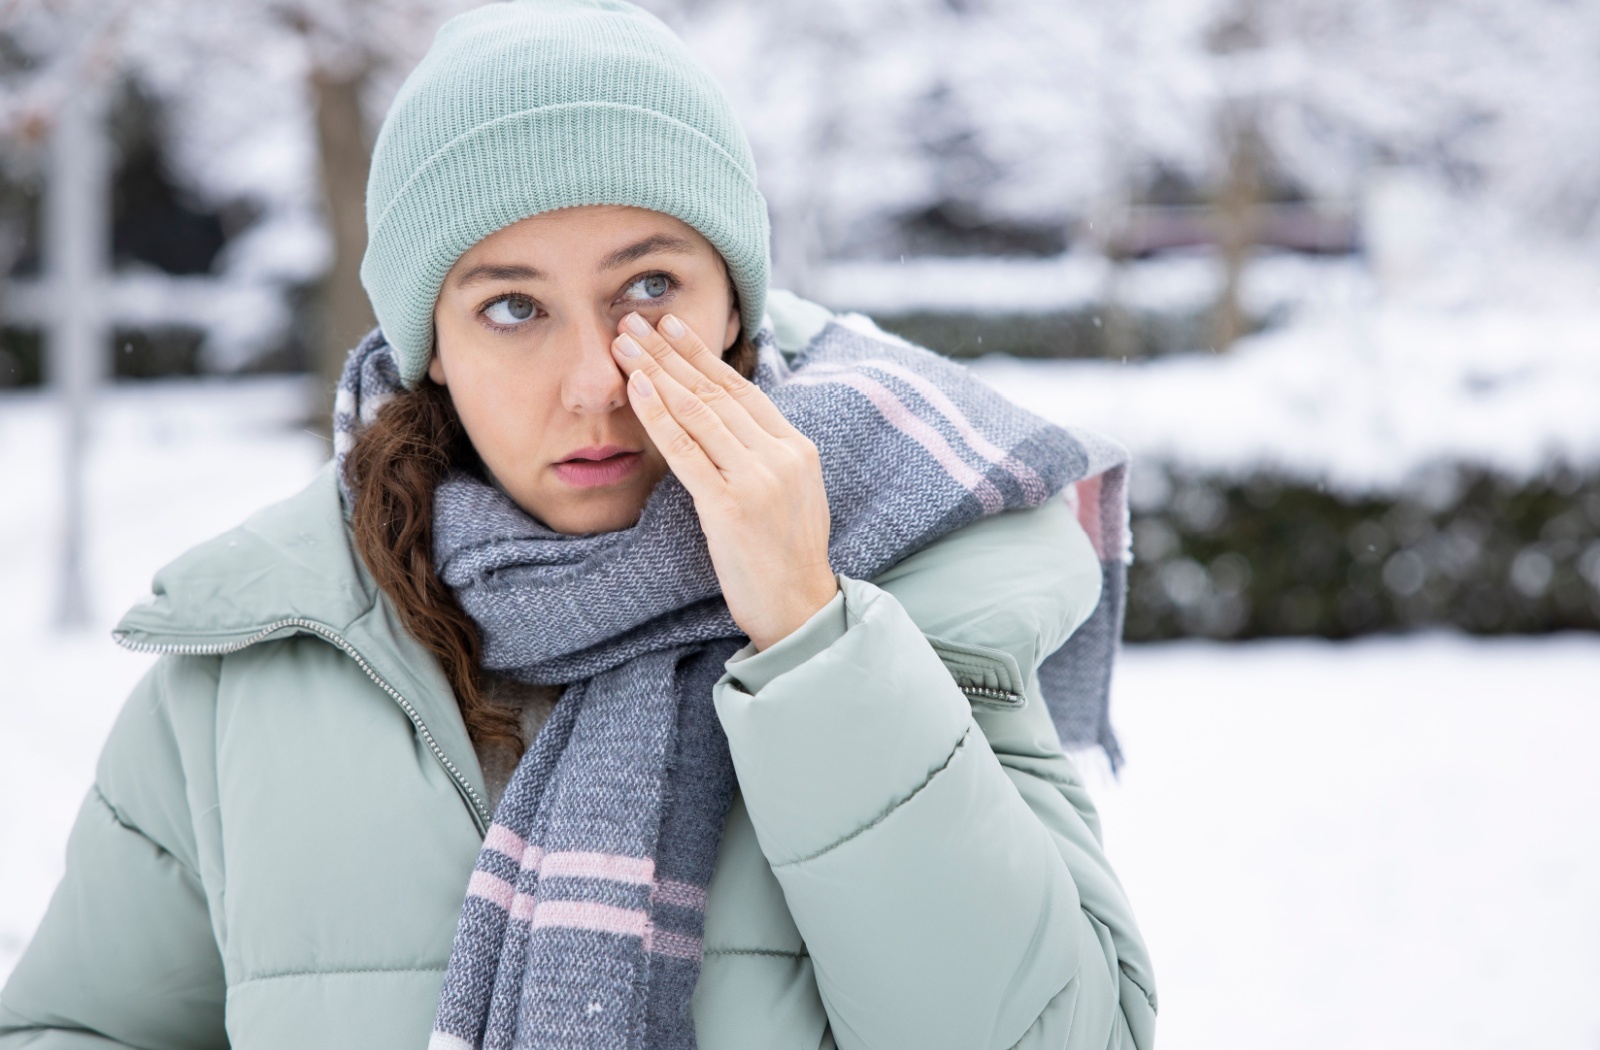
641, 383
673, 327
636, 324
627, 347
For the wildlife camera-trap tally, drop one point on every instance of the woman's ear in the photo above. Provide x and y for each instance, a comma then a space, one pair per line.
436, 366
730, 334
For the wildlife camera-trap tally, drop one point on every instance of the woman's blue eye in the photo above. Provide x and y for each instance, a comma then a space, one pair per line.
652, 286
513, 309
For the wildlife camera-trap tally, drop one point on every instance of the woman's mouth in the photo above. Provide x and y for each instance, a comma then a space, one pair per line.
589, 468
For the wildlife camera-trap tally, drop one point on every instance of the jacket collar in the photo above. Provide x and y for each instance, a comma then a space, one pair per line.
292, 568
290, 560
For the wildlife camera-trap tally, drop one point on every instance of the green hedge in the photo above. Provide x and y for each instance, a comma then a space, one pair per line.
1265, 557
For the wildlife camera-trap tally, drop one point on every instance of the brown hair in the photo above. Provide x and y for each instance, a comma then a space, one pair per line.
394, 466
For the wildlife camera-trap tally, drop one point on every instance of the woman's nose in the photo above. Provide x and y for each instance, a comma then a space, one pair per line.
592, 383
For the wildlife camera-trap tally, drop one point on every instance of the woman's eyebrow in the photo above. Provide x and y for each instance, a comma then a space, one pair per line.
507, 272
660, 242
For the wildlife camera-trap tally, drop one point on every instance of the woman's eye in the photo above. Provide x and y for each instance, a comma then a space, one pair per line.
651, 286
513, 309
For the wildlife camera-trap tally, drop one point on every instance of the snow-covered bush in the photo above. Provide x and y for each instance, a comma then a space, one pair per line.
1364, 470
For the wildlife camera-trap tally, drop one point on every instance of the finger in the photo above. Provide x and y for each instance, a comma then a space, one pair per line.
685, 355
749, 396
672, 361
686, 407
684, 456
687, 342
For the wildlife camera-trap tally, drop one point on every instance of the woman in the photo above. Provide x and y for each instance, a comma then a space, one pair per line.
580, 627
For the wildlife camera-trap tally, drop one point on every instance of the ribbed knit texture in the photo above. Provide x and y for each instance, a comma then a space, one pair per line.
524, 107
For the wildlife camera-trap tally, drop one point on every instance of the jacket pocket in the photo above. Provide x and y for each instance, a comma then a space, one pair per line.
988, 676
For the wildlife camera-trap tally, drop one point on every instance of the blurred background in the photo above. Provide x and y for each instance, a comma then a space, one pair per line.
1329, 268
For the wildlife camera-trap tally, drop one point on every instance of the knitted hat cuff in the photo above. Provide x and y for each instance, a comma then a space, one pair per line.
475, 185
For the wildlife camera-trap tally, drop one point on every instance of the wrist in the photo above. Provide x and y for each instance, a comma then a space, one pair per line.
796, 613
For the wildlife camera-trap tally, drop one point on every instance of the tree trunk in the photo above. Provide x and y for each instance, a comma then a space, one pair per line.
345, 151
1235, 215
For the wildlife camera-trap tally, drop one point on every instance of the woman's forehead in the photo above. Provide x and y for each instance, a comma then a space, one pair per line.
586, 239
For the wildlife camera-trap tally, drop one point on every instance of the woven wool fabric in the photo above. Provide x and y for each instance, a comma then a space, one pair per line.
582, 921
525, 107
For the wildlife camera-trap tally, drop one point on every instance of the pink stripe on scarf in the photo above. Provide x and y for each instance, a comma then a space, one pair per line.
502, 839
492, 888
587, 915
678, 945
914, 427
501, 894
1085, 502
681, 894
639, 871
1032, 485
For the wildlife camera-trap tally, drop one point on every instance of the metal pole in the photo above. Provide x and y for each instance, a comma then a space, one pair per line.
77, 257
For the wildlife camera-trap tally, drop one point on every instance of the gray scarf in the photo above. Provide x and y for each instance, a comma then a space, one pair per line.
583, 917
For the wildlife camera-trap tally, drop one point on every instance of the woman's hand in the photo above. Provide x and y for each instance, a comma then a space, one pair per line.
756, 480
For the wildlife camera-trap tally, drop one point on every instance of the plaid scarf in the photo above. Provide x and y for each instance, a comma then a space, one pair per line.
583, 916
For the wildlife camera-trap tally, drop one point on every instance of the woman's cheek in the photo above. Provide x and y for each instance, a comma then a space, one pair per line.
503, 428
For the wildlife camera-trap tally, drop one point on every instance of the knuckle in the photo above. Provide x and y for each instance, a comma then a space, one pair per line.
798, 452
681, 444
691, 409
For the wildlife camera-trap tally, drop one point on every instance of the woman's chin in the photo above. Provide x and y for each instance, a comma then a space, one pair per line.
589, 510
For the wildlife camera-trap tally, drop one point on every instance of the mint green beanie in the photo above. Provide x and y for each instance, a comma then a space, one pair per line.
531, 105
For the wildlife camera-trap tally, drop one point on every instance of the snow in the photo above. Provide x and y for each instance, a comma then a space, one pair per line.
1389, 843
1369, 378
1363, 400
1048, 112
1383, 844
1175, 282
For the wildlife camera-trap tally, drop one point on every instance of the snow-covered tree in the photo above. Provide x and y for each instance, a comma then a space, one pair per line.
1037, 115
268, 101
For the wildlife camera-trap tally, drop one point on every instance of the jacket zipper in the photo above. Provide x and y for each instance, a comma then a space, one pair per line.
997, 697
480, 810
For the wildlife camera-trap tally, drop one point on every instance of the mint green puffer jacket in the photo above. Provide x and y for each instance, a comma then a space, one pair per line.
284, 817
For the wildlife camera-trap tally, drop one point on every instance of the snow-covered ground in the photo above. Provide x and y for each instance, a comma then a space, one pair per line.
1391, 843
1362, 399
1387, 844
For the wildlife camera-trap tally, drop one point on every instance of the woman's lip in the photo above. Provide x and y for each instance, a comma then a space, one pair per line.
595, 452
584, 470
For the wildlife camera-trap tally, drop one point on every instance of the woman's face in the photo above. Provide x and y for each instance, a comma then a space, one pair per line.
524, 325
